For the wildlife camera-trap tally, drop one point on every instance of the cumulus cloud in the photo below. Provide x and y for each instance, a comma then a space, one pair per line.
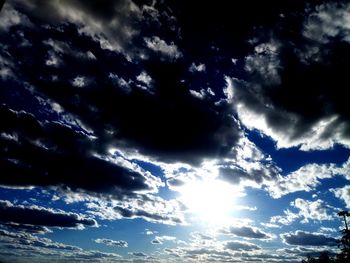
148, 207
168, 123
317, 210
139, 254
312, 210
287, 218
306, 178
241, 246
30, 247
59, 152
110, 242
294, 92
40, 216
160, 239
114, 25
248, 166
328, 22
159, 45
11, 17
197, 68
343, 193
308, 239
29, 241
246, 232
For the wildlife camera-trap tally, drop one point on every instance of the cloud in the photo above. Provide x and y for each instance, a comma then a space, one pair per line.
316, 210
144, 78
167, 124
158, 45
139, 254
241, 246
29, 241
306, 178
28, 247
327, 22
246, 232
148, 207
64, 158
110, 242
248, 166
197, 68
160, 239
308, 239
343, 194
288, 218
114, 25
11, 17
312, 210
32, 229
293, 89
40, 216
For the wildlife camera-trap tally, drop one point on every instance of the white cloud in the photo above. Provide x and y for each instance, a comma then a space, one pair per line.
144, 78
306, 178
110, 242
158, 240
158, 45
121, 82
286, 219
113, 25
229, 89
328, 21
197, 68
312, 210
203, 93
79, 82
148, 207
343, 194
265, 61
307, 210
10, 17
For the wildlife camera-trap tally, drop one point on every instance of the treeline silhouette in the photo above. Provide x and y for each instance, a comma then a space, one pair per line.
344, 244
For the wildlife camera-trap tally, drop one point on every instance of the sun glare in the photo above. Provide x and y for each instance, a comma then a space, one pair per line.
209, 201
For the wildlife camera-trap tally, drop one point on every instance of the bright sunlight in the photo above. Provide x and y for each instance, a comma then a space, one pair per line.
210, 201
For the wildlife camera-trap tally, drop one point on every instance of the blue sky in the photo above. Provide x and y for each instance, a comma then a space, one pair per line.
168, 131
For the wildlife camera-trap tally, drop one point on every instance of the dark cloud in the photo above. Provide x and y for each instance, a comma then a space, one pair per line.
232, 173
148, 215
295, 80
167, 122
53, 154
138, 254
308, 239
245, 231
241, 246
115, 25
25, 247
156, 242
227, 25
26, 241
33, 229
39, 216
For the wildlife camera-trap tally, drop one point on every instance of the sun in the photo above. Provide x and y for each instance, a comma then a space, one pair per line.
210, 201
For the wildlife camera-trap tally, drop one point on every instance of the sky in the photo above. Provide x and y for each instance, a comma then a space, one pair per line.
173, 131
